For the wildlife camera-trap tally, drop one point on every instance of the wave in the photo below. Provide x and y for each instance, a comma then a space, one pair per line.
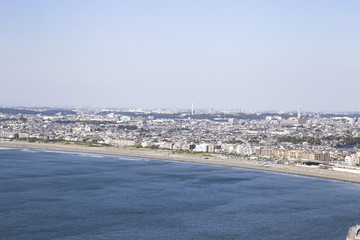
5, 148
96, 155
128, 158
30, 150
85, 154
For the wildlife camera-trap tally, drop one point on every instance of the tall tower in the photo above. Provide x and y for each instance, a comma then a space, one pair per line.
192, 109
299, 112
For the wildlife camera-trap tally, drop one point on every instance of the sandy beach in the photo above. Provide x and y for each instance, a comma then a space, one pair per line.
168, 155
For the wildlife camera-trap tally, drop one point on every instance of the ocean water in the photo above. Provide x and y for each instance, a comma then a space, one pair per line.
55, 195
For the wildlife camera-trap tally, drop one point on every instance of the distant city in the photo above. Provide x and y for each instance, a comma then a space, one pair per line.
326, 139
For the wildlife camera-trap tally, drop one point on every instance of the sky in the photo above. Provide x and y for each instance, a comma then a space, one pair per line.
220, 54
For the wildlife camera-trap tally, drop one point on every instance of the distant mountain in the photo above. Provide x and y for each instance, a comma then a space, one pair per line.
49, 112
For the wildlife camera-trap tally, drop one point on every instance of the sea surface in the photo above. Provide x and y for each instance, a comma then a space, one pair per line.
58, 195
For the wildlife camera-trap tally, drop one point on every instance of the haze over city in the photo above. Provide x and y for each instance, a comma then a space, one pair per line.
259, 55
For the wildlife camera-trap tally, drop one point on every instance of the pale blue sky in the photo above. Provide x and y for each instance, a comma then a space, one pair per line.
257, 55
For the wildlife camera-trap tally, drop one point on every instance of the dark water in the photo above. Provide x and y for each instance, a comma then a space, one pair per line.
50, 195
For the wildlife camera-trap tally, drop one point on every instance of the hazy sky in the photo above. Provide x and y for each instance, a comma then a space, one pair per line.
220, 54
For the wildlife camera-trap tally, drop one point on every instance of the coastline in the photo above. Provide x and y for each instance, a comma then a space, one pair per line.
167, 155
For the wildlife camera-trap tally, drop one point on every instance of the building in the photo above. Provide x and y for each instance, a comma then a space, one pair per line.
9, 135
302, 121
190, 147
353, 159
323, 157
124, 143
203, 147
265, 152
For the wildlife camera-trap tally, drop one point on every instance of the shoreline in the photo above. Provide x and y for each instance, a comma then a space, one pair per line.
167, 155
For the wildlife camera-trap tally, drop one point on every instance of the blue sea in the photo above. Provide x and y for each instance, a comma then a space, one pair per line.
71, 196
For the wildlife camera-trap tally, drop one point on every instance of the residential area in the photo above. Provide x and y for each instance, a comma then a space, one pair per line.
285, 137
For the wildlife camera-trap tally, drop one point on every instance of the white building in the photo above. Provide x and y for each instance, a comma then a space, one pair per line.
245, 150
353, 159
203, 147
179, 146
124, 143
